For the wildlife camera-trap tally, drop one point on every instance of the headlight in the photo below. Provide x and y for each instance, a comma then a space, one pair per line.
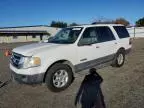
28, 62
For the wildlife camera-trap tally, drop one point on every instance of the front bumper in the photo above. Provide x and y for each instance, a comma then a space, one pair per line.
27, 76
28, 79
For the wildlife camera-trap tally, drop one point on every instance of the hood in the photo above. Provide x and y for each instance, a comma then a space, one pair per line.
29, 50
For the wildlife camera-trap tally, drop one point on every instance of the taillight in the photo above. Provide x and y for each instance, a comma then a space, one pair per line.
130, 41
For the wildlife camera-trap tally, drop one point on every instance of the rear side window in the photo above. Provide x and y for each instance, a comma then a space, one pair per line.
104, 34
121, 31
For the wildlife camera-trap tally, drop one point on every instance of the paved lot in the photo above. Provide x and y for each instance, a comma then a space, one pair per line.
122, 87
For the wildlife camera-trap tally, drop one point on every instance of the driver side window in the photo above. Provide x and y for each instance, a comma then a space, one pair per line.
89, 37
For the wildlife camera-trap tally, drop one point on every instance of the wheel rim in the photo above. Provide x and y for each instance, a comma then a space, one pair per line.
60, 78
120, 59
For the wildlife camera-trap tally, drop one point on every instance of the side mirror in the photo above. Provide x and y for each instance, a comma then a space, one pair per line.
46, 40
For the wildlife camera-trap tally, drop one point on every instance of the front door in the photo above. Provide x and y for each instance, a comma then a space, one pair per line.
87, 51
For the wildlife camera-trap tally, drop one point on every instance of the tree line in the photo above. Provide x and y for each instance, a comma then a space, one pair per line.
138, 23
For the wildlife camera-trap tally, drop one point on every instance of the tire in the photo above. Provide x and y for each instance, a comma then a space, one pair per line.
59, 77
119, 59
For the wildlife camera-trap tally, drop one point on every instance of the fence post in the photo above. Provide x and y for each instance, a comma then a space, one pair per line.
134, 31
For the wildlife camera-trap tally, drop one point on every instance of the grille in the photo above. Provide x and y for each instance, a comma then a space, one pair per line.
15, 60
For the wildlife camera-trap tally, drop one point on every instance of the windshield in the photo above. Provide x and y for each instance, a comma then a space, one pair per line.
66, 36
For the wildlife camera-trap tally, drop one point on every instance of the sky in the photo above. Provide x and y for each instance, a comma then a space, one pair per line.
42, 12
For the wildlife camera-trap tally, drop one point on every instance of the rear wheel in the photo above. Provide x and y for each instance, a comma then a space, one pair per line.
59, 77
119, 59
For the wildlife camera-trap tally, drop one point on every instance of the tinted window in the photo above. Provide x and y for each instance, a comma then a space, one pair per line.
89, 36
104, 34
121, 31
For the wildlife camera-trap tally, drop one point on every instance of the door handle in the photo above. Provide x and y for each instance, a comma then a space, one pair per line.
97, 47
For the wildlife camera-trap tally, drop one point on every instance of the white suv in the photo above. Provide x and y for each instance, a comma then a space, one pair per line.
72, 50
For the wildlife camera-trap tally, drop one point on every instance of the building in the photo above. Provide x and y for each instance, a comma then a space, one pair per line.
26, 33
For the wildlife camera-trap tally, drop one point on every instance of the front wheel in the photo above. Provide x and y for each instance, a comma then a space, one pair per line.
59, 77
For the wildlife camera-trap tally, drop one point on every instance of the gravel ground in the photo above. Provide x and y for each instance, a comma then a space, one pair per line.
122, 87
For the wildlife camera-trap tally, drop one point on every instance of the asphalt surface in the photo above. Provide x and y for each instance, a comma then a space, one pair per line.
122, 87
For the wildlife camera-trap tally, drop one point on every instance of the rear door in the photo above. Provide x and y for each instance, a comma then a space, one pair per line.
106, 43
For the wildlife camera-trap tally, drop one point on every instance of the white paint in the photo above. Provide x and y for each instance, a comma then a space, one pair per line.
50, 53
76, 28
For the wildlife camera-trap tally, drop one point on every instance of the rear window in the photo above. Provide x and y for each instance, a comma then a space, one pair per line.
121, 31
